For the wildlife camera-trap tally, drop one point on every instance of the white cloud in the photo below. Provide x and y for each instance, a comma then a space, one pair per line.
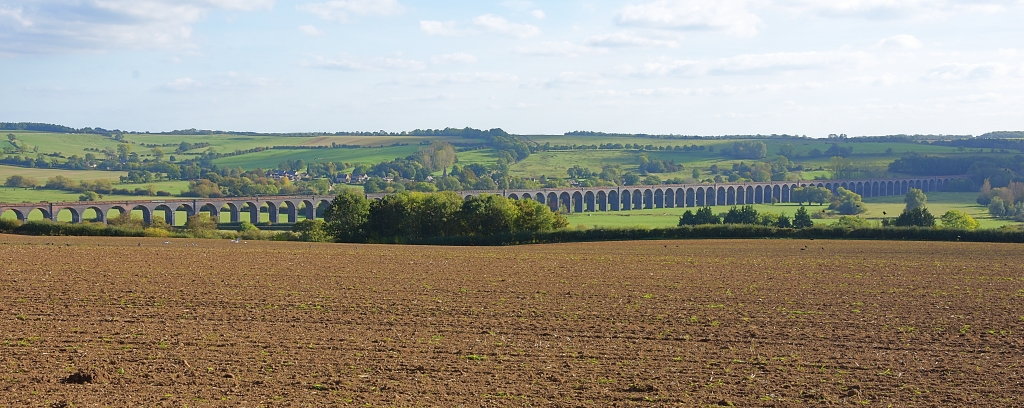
55, 26
969, 99
434, 79
970, 72
895, 9
369, 64
574, 78
754, 64
455, 58
16, 15
630, 39
538, 14
902, 41
230, 80
443, 28
499, 25
669, 91
182, 85
243, 5
554, 48
732, 16
339, 10
311, 31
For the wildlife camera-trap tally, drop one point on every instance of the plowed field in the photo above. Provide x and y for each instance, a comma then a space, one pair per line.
140, 322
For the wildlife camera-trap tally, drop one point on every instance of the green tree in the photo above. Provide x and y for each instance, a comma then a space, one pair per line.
534, 216
201, 225
89, 196
917, 217
784, 221
811, 194
11, 137
841, 167
123, 151
21, 181
158, 153
743, 215
488, 214
754, 149
312, 231
849, 221
802, 219
696, 174
915, 198
787, 150
847, 202
347, 216
652, 180
706, 216
631, 179
956, 219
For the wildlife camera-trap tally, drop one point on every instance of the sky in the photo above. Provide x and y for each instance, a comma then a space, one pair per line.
690, 67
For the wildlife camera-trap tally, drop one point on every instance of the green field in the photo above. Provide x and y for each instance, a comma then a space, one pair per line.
938, 204
230, 143
269, 159
66, 144
41, 175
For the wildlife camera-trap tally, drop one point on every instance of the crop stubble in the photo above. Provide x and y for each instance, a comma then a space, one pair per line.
754, 323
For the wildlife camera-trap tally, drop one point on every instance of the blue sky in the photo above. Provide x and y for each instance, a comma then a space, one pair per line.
709, 67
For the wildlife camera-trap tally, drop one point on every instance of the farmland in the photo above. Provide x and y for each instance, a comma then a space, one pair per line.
685, 323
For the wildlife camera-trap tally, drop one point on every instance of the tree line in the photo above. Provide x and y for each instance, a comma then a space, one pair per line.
413, 216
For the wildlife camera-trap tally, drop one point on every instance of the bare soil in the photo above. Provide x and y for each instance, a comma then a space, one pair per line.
140, 322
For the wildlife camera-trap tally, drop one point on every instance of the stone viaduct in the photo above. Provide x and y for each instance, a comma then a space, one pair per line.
275, 206
624, 198
592, 199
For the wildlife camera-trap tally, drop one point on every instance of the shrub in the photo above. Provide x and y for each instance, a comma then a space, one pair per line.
955, 219
312, 231
852, 222
201, 226
8, 226
156, 233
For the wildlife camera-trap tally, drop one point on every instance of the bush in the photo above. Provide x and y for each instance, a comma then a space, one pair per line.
8, 226
955, 219
156, 233
50, 228
21, 181
201, 226
852, 222
312, 231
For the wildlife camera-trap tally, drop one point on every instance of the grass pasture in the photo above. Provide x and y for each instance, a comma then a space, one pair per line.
41, 175
270, 159
64, 143
225, 143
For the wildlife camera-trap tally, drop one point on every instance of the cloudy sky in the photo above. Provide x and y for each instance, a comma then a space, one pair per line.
709, 67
